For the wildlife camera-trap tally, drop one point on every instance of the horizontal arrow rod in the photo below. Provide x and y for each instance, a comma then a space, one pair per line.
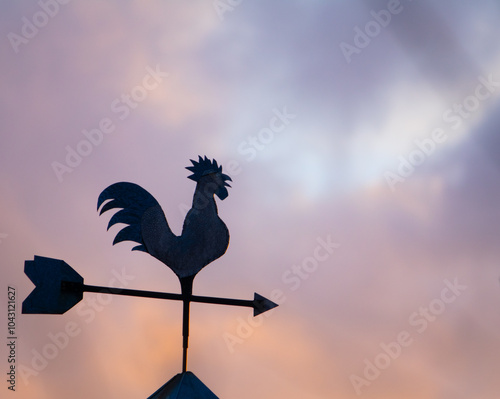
259, 305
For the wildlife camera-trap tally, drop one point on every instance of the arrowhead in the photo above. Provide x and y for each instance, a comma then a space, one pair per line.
261, 304
48, 298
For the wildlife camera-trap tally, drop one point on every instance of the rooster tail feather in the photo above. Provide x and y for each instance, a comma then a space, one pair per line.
110, 205
127, 216
129, 233
133, 201
139, 248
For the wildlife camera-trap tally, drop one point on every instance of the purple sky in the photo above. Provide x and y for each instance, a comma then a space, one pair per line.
371, 127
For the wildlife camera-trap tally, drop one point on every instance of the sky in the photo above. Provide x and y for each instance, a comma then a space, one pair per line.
362, 138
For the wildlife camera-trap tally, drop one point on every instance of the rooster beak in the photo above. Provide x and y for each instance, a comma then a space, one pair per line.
224, 178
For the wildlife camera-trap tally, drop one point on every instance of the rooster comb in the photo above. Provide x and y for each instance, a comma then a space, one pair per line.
203, 167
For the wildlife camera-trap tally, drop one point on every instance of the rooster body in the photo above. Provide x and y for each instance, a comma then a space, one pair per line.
204, 236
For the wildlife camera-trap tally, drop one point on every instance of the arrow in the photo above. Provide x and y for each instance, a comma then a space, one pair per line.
259, 303
58, 287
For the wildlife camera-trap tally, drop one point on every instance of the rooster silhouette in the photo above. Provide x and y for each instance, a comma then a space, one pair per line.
204, 236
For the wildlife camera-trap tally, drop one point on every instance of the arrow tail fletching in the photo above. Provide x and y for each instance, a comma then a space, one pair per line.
48, 297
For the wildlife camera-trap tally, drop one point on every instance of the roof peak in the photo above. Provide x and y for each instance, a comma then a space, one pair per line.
184, 386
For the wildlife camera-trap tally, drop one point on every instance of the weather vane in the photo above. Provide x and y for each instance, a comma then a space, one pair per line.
204, 238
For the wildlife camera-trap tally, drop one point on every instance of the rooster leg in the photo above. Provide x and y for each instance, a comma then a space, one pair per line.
187, 291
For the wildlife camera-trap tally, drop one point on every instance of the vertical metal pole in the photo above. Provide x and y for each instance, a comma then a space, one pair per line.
185, 335
187, 290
